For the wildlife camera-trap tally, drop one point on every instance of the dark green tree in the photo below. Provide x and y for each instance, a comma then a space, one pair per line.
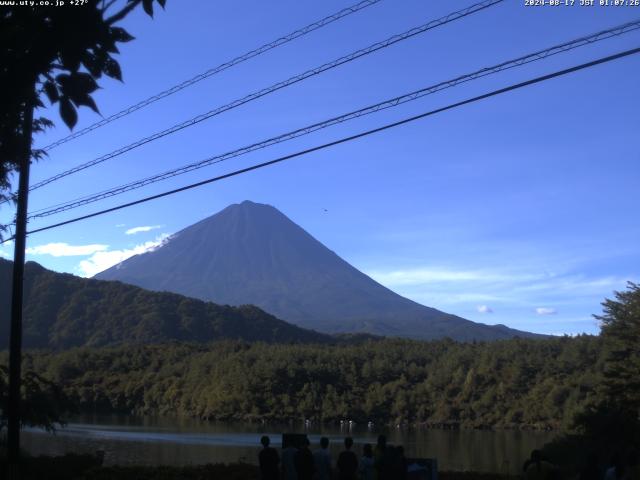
610, 420
43, 402
58, 54
621, 333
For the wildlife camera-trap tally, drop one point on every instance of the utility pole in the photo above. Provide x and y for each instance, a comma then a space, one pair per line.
15, 342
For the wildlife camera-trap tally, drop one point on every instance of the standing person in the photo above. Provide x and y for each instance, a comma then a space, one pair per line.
537, 468
322, 460
616, 468
378, 455
383, 459
269, 460
399, 464
347, 462
288, 462
304, 462
366, 469
379, 452
591, 471
633, 464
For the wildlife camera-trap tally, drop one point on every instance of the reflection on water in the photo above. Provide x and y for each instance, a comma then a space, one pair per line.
152, 441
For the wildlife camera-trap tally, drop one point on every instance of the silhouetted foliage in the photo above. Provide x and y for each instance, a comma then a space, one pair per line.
58, 53
43, 402
621, 332
609, 422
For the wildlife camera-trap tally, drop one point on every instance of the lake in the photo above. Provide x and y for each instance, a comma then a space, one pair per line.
164, 441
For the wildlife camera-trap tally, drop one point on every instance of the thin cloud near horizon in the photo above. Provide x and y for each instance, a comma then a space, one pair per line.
61, 249
103, 260
143, 228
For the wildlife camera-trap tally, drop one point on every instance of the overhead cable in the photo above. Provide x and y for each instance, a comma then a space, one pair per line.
390, 103
277, 86
345, 139
215, 70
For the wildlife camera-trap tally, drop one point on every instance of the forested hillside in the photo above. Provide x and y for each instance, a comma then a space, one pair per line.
511, 383
63, 311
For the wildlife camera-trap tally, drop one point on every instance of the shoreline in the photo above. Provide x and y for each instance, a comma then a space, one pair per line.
389, 426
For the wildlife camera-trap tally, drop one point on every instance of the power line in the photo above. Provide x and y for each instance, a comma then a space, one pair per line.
277, 86
215, 70
348, 139
523, 60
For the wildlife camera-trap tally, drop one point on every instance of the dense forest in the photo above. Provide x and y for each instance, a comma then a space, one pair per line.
512, 383
64, 311
150, 353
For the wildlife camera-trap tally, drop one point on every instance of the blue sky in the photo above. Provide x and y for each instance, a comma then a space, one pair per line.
520, 210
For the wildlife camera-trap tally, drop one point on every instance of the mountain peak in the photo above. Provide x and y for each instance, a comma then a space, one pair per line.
250, 205
247, 210
251, 253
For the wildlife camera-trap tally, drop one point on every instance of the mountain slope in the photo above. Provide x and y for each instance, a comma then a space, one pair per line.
252, 253
63, 311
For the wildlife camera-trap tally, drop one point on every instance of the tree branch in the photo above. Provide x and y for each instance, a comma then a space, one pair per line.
108, 5
122, 13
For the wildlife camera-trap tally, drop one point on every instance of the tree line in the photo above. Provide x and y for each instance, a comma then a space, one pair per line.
515, 383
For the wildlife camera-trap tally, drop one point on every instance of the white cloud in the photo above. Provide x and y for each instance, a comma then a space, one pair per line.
484, 309
66, 250
438, 275
100, 261
571, 283
427, 275
145, 228
546, 311
120, 225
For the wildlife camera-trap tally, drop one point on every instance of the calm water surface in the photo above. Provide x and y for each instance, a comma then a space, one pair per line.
153, 441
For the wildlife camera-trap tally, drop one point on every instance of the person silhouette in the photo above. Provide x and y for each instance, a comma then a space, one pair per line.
383, 459
380, 448
304, 461
536, 468
590, 470
399, 464
289, 452
633, 464
616, 467
366, 470
322, 460
347, 462
269, 460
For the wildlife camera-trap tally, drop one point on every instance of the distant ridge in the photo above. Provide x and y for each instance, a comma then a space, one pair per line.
251, 253
64, 311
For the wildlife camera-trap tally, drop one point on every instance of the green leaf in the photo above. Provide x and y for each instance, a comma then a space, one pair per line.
71, 59
63, 79
121, 35
148, 7
77, 87
68, 112
112, 48
87, 101
112, 69
92, 64
51, 90
84, 81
